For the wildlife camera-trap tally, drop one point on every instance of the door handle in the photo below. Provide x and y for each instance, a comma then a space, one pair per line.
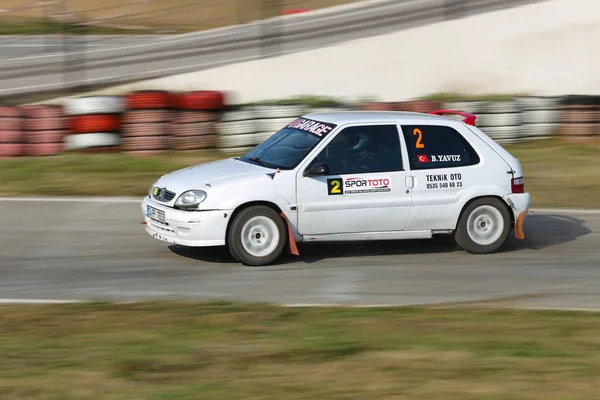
410, 182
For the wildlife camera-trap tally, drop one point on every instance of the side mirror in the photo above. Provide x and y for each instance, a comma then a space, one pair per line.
317, 169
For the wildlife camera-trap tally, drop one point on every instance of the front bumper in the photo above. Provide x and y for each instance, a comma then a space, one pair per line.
519, 203
187, 228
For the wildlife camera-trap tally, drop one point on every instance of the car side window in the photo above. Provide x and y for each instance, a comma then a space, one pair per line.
363, 149
434, 146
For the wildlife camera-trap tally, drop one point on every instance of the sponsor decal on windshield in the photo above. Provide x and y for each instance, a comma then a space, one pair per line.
342, 186
315, 127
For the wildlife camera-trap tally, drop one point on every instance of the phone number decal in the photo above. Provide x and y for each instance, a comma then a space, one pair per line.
444, 181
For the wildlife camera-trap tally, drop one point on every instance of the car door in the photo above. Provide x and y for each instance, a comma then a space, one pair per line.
361, 185
443, 164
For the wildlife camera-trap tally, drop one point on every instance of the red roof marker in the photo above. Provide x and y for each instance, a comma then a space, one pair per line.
469, 118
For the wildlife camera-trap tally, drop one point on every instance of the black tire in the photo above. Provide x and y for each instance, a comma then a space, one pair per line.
237, 249
496, 212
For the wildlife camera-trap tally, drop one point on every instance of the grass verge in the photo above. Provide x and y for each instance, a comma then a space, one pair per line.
557, 174
236, 351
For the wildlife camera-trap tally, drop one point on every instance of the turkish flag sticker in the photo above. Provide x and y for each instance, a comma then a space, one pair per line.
423, 158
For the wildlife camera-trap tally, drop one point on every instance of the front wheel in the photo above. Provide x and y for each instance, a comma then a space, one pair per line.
484, 226
257, 236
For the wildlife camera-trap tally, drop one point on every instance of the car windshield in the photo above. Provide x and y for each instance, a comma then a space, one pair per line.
287, 148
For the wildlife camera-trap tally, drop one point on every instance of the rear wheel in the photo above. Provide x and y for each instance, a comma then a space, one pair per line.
257, 236
484, 226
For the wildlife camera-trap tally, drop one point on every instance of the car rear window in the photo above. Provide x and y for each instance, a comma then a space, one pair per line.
434, 146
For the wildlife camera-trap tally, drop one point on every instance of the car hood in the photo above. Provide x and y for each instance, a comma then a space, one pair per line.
212, 173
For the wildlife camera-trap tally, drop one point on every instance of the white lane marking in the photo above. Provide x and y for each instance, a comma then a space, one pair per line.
132, 75
73, 199
37, 301
289, 305
45, 45
566, 211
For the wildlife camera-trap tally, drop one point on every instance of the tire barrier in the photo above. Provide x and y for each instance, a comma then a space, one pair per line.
501, 120
11, 132
199, 100
95, 123
44, 130
150, 122
148, 100
194, 124
377, 106
146, 123
539, 117
580, 116
238, 131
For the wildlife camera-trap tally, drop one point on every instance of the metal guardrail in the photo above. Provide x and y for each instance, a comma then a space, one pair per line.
78, 66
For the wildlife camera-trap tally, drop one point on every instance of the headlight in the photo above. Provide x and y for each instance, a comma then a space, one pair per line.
191, 198
151, 188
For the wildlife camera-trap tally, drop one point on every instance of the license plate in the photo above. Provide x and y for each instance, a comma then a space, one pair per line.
155, 214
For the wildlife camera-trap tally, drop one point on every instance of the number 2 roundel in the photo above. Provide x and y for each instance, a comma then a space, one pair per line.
334, 186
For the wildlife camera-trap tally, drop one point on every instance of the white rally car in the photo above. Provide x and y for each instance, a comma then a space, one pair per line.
347, 176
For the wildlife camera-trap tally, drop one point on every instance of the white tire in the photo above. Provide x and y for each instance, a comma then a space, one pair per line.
508, 106
532, 103
239, 115
541, 130
273, 125
278, 111
95, 105
88, 140
504, 132
325, 110
237, 127
248, 140
498, 120
473, 107
540, 117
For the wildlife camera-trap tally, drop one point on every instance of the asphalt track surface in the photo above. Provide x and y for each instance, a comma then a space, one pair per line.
98, 250
24, 46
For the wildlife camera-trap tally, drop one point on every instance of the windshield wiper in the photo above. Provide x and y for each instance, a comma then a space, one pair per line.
261, 162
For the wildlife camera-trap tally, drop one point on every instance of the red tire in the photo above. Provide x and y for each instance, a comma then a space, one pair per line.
136, 130
146, 143
146, 116
44, 149
44, 124
377, 106
11, 136
195, 129
10, 112
95, 123
11, 124
11, 150
201, 100
418, 106
39, 137
186, 117
148, 99
42, 111
295, 11
577, 130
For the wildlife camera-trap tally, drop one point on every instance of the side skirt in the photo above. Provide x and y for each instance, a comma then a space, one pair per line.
391, 235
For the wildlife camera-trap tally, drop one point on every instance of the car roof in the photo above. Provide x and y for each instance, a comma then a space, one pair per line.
355, 116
